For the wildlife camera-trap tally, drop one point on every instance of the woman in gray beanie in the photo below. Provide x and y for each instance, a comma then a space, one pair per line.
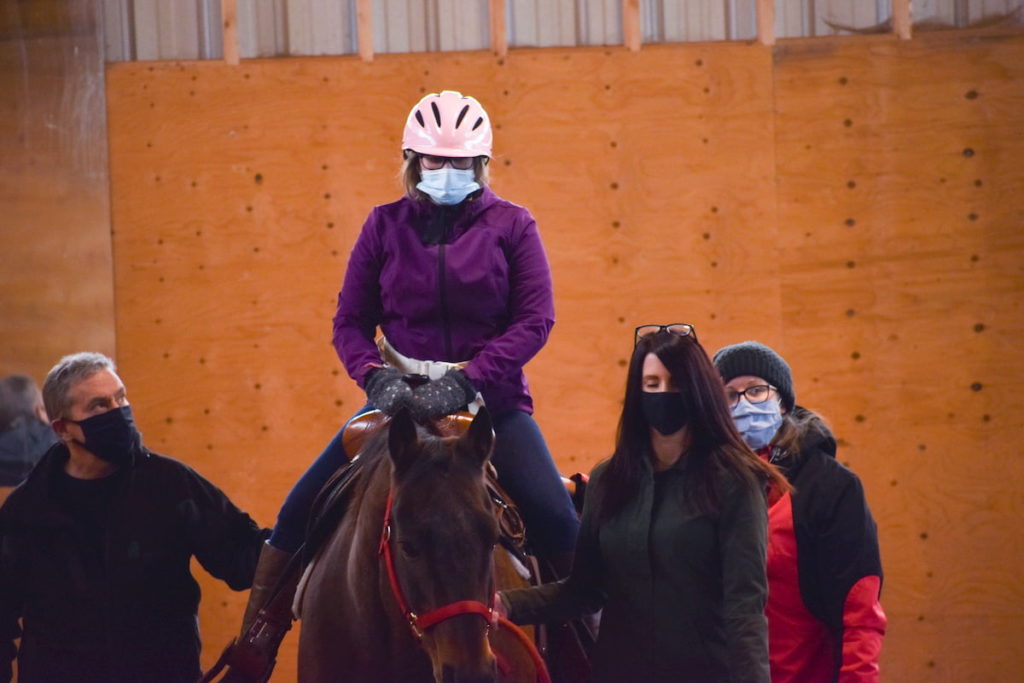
825, 622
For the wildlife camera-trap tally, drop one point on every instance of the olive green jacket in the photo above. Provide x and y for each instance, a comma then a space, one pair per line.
683, 594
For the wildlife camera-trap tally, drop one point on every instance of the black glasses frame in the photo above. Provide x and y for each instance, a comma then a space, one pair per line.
433, 162
743, 394
678, 329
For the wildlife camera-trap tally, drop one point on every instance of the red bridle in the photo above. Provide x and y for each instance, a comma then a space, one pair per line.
420, 622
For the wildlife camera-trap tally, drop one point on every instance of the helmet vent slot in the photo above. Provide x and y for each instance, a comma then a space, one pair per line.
437, 113
462, 115
419, 117
479, 122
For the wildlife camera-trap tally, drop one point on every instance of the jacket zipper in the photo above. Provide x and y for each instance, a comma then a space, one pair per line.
443, 293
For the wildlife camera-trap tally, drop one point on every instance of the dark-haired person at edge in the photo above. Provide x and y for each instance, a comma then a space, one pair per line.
825, 622
96, 545
672, 543
25, 433
457, 280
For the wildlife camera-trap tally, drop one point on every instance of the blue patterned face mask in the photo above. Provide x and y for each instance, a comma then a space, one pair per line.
448, 186
757, 423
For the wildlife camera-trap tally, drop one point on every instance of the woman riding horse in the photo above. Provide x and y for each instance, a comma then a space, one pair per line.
458, 281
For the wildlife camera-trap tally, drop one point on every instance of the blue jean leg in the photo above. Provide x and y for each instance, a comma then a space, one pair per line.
290, 531
527, 471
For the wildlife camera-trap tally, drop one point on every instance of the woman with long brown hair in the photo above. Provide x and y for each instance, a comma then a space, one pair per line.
673, 537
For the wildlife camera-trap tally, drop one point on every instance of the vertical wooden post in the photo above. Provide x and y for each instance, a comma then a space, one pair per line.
364, 28
901, 19
766, 22
229, 30
499, 28
631, 34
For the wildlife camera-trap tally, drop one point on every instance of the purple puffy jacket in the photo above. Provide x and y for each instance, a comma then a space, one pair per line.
484, 296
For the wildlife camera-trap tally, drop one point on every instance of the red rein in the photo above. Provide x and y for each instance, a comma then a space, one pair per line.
419, 623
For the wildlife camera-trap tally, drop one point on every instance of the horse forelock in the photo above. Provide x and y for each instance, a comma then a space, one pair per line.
442, 477
441, 480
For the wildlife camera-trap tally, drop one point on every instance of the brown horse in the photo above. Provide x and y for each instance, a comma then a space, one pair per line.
417, 539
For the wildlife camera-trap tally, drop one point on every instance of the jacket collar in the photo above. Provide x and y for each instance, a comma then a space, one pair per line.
36, 496
468, 210
817, 437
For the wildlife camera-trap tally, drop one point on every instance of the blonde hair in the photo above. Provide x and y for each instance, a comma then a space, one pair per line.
409, 173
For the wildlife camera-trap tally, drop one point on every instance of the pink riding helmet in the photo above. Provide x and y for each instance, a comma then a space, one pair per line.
448, 124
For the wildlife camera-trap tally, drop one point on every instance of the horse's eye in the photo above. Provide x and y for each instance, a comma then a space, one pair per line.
409, 549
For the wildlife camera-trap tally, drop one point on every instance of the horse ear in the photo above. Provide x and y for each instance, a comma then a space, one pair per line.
480, 435
402, 439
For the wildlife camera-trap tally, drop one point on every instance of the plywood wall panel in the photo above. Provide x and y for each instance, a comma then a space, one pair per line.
240, 192
913, 200
820, 198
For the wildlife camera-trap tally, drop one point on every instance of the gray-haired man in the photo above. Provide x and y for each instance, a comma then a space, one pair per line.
95, 545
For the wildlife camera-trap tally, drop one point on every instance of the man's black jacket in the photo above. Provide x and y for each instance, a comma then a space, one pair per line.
127, 612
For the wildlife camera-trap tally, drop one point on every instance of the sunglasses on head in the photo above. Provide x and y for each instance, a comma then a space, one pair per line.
678, 329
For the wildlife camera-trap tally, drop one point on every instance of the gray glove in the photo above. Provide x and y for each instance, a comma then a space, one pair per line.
387, 390
442, 396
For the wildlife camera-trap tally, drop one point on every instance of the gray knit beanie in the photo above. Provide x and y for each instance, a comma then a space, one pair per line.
754, 358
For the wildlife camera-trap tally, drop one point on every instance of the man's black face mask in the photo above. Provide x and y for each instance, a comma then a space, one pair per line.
112, 436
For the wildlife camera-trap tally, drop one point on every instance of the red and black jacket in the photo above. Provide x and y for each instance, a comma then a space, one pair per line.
825, 572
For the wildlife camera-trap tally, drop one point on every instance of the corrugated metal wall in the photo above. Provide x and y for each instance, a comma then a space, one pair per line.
190, 29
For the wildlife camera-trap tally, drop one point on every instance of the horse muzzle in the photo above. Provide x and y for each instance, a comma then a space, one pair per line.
451, 674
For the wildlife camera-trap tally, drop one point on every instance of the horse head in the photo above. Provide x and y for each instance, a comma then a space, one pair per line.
441, 536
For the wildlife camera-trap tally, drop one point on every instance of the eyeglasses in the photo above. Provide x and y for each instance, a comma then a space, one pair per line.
759, 393
433, 163
678, 329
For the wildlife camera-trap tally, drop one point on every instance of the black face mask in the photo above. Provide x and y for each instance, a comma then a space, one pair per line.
112, 436
664, 410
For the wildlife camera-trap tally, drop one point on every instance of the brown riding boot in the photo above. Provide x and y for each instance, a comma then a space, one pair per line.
268, 617
269, 570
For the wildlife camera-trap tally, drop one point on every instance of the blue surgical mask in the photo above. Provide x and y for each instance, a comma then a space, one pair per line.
757, 423
448, 186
